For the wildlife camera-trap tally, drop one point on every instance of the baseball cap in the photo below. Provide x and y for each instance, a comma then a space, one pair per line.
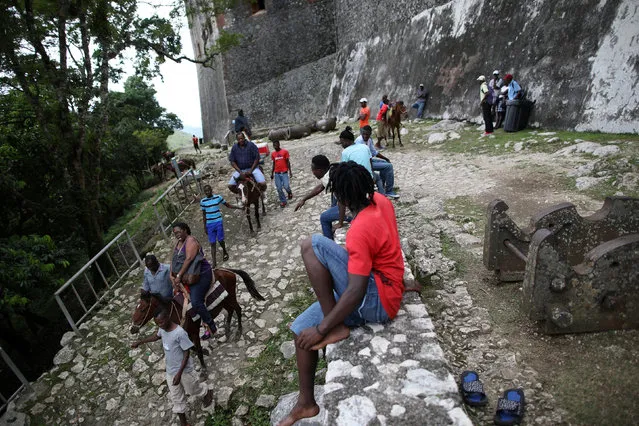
421, 85
363, 100
496, 72
481, 78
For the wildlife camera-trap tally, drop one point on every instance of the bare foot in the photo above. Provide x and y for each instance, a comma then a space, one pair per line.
299, 412
338, 333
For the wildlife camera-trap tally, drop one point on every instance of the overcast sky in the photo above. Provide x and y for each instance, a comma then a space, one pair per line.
177, 91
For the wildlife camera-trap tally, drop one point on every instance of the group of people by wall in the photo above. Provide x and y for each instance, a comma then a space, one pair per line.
493, 97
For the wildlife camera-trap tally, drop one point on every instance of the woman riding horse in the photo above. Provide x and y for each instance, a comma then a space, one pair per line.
190, 267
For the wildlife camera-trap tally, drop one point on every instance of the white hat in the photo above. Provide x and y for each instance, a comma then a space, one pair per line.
363, 100
421, 85
481, 78
496, 72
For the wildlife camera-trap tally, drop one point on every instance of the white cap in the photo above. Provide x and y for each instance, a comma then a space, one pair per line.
496, 72
421, 85
481, 78
363, 100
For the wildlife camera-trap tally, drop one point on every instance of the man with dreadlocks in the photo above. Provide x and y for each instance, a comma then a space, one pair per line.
362, 283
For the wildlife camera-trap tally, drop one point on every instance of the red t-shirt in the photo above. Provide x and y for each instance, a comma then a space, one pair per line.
366, 112
382, 112
279, 159
372, 243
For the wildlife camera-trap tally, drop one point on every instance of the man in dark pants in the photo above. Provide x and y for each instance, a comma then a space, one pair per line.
485, 99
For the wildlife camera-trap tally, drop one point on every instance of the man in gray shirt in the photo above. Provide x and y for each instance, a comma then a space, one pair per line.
157, 277
180, 374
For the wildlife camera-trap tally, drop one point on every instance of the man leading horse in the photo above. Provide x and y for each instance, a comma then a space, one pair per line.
245, 158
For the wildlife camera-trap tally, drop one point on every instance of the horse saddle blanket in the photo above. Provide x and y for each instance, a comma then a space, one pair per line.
216, 294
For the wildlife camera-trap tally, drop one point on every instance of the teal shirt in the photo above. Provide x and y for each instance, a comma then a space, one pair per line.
359, 154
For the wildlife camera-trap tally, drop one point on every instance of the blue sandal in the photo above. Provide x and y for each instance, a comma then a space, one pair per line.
510, 407
472, 389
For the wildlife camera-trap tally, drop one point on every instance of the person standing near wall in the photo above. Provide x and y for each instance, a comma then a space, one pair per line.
514, 89
382, 123
364, 113
484, 102
495, 84
241, 124
420, 103
196, 144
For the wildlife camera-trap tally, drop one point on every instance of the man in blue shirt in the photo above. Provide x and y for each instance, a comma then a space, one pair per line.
245, 158
213, 224
379, 162
514, 90
157, 277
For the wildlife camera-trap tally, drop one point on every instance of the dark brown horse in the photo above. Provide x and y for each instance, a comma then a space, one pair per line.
150, 302
251, 195
398, 109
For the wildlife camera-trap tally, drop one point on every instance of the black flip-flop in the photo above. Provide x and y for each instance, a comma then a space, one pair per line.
472, 389
510, 407
225, 257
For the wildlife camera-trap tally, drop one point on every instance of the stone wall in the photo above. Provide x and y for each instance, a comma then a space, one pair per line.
572, 59
579, 63
215, 112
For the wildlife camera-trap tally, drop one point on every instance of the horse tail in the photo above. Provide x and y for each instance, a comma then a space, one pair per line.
248, 282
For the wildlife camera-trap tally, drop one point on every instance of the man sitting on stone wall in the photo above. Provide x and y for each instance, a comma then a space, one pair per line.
362, 283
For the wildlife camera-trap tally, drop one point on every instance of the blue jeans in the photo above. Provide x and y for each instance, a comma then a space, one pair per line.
379, 183
420, 108
335, 259
327, 218
386, 173
198, 292
282, 183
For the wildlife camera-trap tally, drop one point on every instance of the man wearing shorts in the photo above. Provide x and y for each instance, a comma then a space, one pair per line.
244, 158
362, 283
181, 377
213, 224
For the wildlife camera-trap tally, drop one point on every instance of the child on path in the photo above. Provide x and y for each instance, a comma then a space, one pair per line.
180, 374
281, 171
213, 224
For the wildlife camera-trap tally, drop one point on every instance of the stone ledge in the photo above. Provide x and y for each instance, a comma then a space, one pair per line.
394, 373
387, 374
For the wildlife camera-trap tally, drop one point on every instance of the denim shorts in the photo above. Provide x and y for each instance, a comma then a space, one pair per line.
335, 258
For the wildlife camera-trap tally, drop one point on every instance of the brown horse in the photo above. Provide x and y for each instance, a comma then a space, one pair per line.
395, 120
150, 302
159, 171
251, 195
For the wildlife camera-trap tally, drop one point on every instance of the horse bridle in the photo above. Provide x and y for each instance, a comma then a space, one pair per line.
147, 313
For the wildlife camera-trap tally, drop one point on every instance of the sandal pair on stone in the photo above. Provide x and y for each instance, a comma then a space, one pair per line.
510, 407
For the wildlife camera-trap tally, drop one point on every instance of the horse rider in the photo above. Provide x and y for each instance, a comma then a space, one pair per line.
241, 123
157, 277
245, 158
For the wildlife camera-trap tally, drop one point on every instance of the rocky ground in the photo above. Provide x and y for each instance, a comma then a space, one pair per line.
446, 175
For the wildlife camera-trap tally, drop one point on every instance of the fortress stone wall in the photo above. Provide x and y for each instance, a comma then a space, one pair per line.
303, 59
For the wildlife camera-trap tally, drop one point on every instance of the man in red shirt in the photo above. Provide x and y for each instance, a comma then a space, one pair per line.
281, 171
367, 277
382, 123
364, 113
196, 144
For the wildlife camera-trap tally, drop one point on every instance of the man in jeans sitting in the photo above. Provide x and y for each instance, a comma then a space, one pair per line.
379, 162
362, 283
245, 158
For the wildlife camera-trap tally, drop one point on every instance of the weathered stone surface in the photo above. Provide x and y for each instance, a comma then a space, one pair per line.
266, 401
356, 410
288, 349
65, 355
67, 337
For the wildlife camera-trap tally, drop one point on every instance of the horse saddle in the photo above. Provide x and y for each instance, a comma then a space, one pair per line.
216, 294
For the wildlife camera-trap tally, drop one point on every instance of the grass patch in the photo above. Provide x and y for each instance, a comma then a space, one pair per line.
137, 216
179, 139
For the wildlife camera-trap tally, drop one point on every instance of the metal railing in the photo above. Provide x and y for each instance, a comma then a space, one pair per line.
93, 266
176, 199
24, 382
